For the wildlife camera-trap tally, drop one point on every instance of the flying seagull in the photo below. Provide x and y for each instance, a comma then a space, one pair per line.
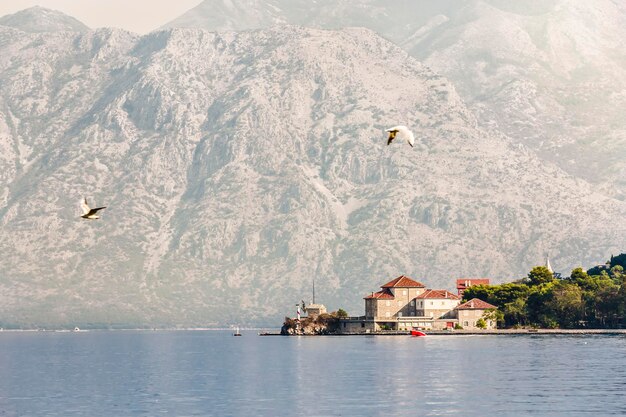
89, 213
401, 131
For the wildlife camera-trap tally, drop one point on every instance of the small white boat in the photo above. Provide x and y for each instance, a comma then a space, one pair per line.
236, 332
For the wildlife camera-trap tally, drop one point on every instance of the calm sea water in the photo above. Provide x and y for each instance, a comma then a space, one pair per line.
211, 373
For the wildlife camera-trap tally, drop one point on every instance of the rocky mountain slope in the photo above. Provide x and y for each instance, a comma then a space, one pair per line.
549, 74
237, 167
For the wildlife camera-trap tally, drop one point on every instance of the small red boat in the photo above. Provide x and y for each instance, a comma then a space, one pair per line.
417, 333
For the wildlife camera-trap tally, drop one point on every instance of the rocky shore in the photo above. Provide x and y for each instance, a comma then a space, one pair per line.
324, 324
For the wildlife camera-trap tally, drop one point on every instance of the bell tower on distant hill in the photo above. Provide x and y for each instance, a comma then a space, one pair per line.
556, 275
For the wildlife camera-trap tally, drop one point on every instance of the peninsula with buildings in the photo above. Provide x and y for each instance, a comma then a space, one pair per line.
585, 300
401, 305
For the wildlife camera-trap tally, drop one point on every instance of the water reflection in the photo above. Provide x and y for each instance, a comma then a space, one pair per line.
213, 373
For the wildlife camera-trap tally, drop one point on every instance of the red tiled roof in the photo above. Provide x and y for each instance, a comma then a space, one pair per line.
403, 282
438, 294
475, 304
385, 294
463, 283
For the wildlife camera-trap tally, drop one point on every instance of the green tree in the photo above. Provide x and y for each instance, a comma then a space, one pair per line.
482, 292
494, 315
539, 311
509, 298
341, 313
515, 313
593, 287
498, 295
608, 310
565, 304
481, 323
507, 293
578, 276
616, 272
618, 260
540, 275
621, 302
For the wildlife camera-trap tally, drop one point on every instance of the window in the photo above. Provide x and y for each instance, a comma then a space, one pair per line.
412, 302
432, 303
443, 303
465, 324
362, 324
388, 303
399, 314
403, 292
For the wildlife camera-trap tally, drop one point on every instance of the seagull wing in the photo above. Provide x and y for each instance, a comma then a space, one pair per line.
85, 206
404, 133
409, 136
95, 210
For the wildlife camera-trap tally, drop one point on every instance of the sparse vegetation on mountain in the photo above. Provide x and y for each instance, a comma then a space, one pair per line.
240, 165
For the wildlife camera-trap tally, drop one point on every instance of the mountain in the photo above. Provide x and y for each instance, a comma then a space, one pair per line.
238, 167
549, 74
39, 19
553, 77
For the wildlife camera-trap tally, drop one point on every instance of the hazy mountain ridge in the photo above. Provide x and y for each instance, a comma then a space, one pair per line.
40, 19
550, 74
554, 80
238, 166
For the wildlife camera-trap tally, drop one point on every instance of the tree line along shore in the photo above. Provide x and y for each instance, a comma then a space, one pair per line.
592, 299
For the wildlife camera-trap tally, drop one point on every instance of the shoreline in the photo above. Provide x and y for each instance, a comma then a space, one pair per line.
263, 332
477, 332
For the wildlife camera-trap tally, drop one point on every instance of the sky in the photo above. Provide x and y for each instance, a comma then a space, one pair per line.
139, 16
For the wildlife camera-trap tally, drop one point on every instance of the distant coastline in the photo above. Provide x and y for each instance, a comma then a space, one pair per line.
276, 332
133, 329
498, 332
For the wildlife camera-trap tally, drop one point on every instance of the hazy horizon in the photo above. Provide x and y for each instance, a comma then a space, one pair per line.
129, 15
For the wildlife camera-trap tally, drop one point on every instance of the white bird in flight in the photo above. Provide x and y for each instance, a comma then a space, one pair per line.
401, 131
89, 213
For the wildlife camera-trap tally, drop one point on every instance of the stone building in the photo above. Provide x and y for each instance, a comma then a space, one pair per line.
395, 299
314, 310
464, 283
436, 303
403, 304
468, 314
